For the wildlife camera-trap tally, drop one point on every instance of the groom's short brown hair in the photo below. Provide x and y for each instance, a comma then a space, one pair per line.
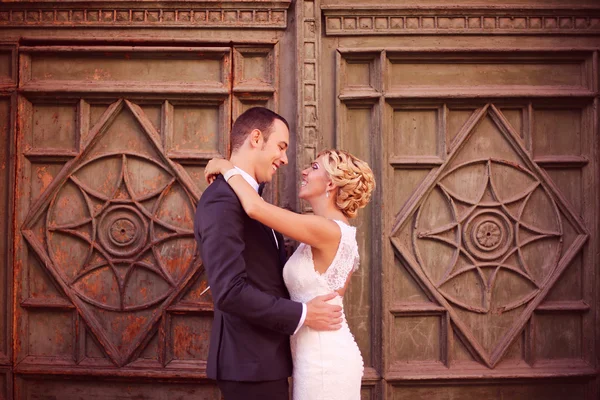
260, 118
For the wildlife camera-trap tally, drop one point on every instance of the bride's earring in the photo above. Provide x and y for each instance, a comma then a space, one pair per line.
327, 194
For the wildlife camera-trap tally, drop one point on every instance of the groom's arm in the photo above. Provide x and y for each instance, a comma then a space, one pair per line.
222, 245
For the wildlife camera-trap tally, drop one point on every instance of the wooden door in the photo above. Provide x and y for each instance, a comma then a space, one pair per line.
478, 241
110, 149
479, 250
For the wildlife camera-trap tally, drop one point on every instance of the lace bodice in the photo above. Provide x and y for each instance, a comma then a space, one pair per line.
304, 282
327, 364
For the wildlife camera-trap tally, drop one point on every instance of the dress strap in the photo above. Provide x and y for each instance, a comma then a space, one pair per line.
346, 259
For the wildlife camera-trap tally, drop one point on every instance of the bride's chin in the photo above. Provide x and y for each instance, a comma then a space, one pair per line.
305, 194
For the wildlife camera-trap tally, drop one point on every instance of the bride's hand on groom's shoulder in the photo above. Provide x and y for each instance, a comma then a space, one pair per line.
215, 167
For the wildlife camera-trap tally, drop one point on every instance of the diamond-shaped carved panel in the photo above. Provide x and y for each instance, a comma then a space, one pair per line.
115, 230
490, 235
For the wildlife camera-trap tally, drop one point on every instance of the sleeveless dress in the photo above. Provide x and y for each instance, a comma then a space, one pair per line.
327, 365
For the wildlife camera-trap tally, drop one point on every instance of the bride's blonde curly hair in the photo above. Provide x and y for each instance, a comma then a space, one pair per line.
352, 176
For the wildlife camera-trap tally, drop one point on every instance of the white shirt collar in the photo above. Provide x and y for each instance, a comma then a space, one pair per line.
248, 178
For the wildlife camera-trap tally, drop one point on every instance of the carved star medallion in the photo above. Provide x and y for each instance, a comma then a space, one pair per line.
115, 231
489, 236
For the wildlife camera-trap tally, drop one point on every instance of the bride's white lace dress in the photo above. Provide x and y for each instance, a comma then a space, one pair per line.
327, 365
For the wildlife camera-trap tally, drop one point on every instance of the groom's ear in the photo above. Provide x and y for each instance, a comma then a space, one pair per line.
256, 138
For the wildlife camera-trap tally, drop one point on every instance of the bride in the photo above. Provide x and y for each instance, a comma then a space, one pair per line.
327, 364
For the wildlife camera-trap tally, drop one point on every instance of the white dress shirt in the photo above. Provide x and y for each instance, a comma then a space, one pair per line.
252, 182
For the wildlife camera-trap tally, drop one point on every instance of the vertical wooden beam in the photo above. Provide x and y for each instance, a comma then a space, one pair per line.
596, 216
530, 122
380, 230
167, 125
529, 341
589, 210
9, 298
308, 34
79, 339
83, 125
386, 179
449, 345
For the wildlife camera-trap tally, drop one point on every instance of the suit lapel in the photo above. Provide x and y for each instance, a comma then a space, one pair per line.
269, 233
279, 246
282, 251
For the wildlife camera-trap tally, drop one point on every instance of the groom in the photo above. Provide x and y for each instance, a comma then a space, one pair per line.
249, 353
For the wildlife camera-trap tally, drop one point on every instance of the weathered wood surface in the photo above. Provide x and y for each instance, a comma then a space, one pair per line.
479, 250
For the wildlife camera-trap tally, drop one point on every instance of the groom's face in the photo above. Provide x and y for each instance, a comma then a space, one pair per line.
273, 153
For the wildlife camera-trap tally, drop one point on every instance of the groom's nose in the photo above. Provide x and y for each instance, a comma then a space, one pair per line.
284, 159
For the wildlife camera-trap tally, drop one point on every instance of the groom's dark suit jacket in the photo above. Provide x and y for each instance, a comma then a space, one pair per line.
253, 316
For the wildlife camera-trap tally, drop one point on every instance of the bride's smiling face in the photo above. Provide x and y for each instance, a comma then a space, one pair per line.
314, 180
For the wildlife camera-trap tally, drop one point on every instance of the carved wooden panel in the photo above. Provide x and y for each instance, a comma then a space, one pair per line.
489, 238
360, 139
488, 250
107, 187
31, 388
358, 123
8, 62
550, 389
120, 69
6, 383
308, 32
113, 229
348, 20
256, 79
116, 14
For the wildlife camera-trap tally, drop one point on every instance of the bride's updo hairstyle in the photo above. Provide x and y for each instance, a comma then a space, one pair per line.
352, 176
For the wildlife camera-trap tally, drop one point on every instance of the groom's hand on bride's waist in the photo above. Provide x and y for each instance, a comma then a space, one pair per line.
323, 316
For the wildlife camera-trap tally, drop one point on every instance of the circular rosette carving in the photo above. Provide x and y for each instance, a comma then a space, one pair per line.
127, 223
122, 230
488, 235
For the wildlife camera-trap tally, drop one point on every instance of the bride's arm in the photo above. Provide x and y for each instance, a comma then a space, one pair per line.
310, 229
313, 230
